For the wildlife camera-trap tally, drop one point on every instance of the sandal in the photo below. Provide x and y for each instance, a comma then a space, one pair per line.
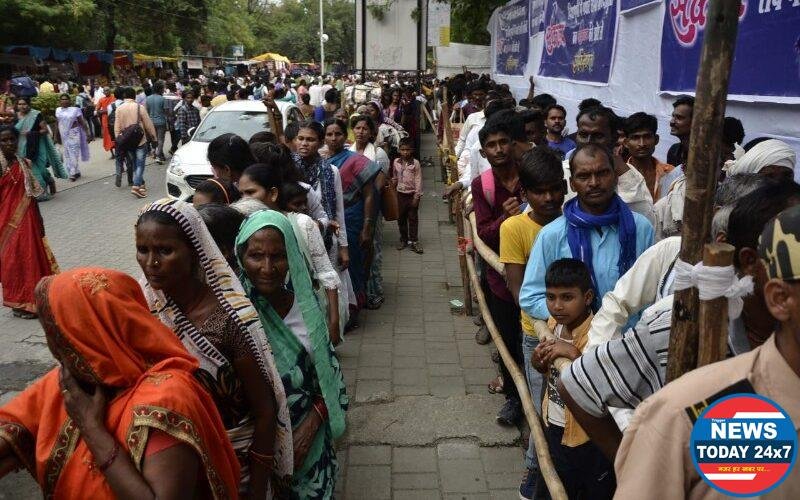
496, 385
23, 314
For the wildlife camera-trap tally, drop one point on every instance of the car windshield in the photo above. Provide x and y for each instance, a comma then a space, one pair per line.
242, 123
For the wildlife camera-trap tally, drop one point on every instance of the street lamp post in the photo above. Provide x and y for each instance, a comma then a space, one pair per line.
321, 42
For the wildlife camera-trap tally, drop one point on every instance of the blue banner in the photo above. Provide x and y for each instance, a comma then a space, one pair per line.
629, 5
767, 57
512, 39
536, 10
579, 39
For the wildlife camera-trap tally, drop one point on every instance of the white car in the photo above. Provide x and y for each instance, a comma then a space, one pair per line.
189, 166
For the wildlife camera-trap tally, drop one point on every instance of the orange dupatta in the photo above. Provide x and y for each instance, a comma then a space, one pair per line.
100, 321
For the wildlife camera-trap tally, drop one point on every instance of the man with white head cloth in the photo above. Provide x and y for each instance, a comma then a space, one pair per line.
772, 158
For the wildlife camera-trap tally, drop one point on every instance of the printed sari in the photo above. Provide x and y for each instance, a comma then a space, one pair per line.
25, 256
99, 320
40, 150
306, 374
356, 171
216, 372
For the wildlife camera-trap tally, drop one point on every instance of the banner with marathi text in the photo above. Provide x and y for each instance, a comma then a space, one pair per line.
767, 57
511, 38
579, 37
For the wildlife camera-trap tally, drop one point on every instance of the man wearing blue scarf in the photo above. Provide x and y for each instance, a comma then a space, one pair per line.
597, 228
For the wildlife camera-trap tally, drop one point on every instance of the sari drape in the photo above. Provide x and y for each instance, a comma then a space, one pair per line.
40, 150
236, 305
305, 375
356, 171
99, 320
25, 256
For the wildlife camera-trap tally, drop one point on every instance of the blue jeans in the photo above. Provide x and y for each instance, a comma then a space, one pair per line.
535, 381
136, 159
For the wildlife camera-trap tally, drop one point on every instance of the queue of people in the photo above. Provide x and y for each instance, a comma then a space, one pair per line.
587, 226
219, 366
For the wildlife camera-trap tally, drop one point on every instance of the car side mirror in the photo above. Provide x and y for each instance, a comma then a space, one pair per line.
191, 131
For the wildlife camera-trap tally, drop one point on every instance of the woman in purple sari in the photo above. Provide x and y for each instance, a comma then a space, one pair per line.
360, 205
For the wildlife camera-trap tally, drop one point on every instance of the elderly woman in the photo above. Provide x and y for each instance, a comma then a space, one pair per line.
365, 130
122, 416
295, 324
73, 133
35, 145
190, 287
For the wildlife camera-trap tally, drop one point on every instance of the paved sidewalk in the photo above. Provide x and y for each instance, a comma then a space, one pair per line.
421, 423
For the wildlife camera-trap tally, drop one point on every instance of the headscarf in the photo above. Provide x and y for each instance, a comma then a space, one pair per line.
233, 300
763, 154
99, 320
326, 365
580, 226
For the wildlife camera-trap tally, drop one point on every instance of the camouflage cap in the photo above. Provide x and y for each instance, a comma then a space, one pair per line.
779, 245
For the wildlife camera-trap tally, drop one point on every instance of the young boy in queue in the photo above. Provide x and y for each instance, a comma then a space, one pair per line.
542, 178
407, 179
496, 196
583, 469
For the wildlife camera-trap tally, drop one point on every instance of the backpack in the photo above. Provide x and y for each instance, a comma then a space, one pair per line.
131, 136
23, 86
487, 182
112, 118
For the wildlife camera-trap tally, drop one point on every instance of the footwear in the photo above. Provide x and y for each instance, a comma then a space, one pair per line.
527, 487
496, 385
416, 247
118, 180
401, 245
23, 314
482, 336
510, 413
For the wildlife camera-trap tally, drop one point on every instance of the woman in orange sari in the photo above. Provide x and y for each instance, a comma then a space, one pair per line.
25, 256
123, 416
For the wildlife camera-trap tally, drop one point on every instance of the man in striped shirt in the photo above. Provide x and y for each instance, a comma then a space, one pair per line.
625, 371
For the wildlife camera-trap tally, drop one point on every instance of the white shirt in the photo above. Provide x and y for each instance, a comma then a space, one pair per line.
476, 119
294, 321
648, 280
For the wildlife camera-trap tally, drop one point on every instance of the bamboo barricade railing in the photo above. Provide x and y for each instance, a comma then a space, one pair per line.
546, 466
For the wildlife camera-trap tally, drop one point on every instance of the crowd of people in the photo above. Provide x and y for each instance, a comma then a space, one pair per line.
217, 375
588, 228
226, 346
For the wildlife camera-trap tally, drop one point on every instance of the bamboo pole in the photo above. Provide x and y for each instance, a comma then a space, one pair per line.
546, 466
713, 314
486, 253
462, 256
722, 20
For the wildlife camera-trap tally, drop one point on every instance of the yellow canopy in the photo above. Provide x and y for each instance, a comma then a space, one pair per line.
269, 56
142, 58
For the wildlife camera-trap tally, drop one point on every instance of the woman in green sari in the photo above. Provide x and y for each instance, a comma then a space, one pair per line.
295, 325
35, 144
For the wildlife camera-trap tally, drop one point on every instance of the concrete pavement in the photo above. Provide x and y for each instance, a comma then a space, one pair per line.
421, 422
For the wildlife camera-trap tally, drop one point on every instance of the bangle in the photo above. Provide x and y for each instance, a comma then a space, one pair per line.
111, 457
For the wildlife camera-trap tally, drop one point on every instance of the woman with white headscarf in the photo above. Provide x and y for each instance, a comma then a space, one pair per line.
772, 158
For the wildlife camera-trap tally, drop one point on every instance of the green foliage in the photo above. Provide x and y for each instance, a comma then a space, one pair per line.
469, 18
47, 104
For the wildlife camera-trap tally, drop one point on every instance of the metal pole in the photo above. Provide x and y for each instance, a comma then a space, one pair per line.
363, 41
321, 43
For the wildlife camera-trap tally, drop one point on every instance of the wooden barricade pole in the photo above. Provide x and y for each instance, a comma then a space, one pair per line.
722, 21
546, 466
713, 314
463, 244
